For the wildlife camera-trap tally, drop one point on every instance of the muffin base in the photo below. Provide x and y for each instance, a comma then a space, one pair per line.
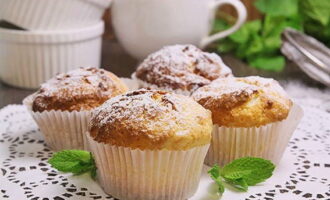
61, 129
129, 174
267, 141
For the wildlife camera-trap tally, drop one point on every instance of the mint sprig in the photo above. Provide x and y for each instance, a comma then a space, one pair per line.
258, 42
242, 173
74, 161
215, 175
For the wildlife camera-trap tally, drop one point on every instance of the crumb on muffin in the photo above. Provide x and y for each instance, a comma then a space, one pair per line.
79, 89
150, 119
244, 102
181, 67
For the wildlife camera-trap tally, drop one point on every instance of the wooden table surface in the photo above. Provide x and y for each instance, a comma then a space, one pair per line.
116, 60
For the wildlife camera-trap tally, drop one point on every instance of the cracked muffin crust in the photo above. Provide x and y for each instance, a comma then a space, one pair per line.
79, 89
244, 102
153, 120
181, 68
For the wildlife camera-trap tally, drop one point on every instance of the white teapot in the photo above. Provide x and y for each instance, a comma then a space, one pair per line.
144, 26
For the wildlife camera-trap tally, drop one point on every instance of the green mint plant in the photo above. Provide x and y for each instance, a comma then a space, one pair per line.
258, 42
242, 173
74, 161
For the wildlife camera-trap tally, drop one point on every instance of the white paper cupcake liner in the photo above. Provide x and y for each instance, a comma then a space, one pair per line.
61, 129
267, 141
52, 15
132, 174
28, 59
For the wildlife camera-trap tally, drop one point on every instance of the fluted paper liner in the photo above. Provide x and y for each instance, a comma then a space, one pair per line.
267, 141
61, 129
132, 174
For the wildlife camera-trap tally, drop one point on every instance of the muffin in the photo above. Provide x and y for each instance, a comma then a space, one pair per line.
150, 145
181, 69
252, 116
62, 105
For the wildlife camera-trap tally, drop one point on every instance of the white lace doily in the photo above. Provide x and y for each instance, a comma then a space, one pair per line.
304, 172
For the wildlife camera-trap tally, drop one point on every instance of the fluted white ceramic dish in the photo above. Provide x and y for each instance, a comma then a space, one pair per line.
28, 59
52, 14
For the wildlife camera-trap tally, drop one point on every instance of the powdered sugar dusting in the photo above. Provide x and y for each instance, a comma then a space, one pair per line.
81, 84
246, 85
73, 79
136, 106
182, 67
151, 119
225, 86
269, 84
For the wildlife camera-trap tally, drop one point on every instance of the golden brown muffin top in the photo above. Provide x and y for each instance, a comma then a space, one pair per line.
244, 102
79, 89
181, 67
153, 120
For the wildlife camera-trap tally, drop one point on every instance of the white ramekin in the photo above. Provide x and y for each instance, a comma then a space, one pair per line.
28, 59
53, 14
130, 174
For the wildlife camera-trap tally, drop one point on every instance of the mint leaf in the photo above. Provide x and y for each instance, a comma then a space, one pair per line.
278, 7
251, 170
74, 161
242, 173
214, 172
236, 174
270, 63
215, 175
315, 29
295, 22
273, 25
273, 28
255, 46
221, 187
258, 42
316, 19
239, 184
246, 31
316, 9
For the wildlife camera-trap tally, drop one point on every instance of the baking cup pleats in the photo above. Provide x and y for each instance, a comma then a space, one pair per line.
129, 174
268, 142
61, 129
